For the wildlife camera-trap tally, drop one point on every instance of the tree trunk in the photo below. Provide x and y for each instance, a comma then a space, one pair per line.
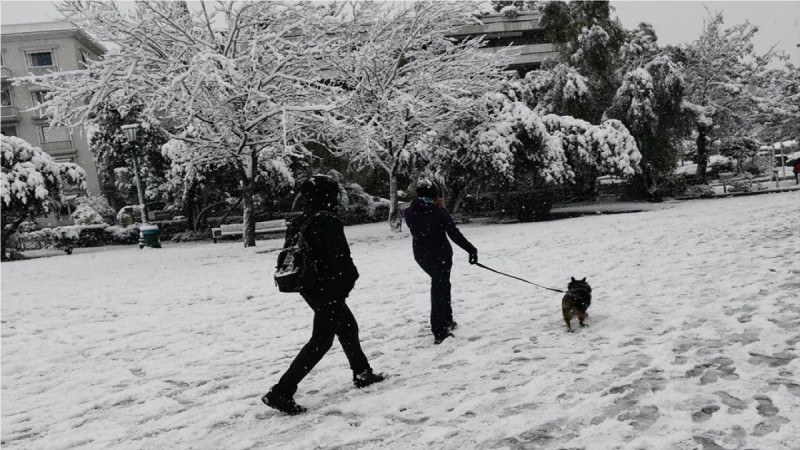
190, 207
248, 220
248, 190
459, 199
7, 232
702, 153
395, 221
3, 248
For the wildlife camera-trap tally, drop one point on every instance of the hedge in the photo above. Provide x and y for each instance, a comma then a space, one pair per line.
77, 236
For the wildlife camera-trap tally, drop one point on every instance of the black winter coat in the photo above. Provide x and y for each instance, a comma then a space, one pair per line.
330, 252
430, 225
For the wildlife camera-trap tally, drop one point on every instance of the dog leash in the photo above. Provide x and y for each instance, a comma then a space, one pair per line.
518, 278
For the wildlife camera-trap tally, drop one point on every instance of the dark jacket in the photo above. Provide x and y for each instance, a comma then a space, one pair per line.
430, 225
329, 250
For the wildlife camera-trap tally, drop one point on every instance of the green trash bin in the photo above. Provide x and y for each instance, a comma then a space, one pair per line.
148, 236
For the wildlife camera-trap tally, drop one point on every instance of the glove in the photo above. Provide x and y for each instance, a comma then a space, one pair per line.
473, 258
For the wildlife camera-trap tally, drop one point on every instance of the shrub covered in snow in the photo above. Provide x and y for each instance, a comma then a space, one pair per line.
78, 236
741, 186
720, 164
699, 191
30, 184
99, 205
93, 210
86, 215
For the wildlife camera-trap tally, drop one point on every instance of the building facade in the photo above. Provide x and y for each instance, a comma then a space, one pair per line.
38, 49
521, 32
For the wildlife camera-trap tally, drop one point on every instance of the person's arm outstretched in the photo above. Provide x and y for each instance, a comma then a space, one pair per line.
455, 235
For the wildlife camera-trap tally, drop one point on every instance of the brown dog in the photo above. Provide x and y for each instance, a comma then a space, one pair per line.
576, 301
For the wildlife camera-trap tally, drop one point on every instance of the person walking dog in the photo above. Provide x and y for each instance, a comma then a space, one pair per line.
336, 275
430, 225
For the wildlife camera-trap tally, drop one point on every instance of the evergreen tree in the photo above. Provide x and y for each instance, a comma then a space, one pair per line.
589, 40
114, 156
650, 104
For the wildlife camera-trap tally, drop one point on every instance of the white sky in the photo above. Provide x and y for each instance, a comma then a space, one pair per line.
675, 22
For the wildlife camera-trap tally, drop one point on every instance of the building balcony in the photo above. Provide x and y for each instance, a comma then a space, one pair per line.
62, 148
42, 70
39, 115
527, 55
497, 24
6, 73
10, 114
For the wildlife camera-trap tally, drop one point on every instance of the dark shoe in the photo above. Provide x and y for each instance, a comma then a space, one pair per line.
366, 378
282, 403
441, 339
452, 326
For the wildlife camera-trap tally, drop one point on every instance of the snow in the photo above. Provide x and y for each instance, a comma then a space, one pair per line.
692, 341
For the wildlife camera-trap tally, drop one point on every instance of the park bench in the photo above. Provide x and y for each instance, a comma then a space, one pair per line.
237, 229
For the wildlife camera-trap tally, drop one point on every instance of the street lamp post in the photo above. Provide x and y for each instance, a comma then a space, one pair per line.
130, 134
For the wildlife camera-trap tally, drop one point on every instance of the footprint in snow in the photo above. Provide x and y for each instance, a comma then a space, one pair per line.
769, 411
710, 372
734, 404
776, 360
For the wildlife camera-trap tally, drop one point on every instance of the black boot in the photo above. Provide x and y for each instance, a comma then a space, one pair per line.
283, 403
453, 325
366, 378
439, 339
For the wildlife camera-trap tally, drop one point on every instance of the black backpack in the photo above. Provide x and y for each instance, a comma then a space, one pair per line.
296, 270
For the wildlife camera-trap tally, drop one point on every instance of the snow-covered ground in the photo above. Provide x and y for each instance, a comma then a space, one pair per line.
692, 341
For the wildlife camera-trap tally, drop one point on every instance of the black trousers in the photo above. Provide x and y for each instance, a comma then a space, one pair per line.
441, 310
330, 319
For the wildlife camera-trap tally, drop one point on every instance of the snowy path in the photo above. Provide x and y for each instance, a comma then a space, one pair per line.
692, 341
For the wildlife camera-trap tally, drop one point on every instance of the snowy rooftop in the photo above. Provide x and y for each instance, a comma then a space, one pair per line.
23, 31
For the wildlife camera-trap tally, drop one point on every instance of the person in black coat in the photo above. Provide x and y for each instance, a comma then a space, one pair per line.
336, 276
430, 225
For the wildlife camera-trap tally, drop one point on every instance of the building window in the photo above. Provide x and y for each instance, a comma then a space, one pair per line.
65, 159
39, 97
49, 134
7, 97
9, 131
40, 59
85, 58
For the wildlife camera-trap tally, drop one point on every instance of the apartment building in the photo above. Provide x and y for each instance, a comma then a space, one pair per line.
37, 49
521, 32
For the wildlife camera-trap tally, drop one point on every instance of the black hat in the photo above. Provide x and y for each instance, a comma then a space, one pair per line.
426, 188
320, 192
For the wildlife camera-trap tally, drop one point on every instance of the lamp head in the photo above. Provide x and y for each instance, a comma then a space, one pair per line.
130, 131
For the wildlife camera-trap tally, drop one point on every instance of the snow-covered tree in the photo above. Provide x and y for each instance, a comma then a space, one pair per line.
722, 71
740, 148
558, 90
504, 5
31, 184
92, 210
506, 144
409, 78
113, 155
779, 103
639, 48
588, 39
650, 104
231, 80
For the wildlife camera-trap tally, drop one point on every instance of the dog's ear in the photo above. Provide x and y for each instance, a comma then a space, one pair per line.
584, 279
573, 278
